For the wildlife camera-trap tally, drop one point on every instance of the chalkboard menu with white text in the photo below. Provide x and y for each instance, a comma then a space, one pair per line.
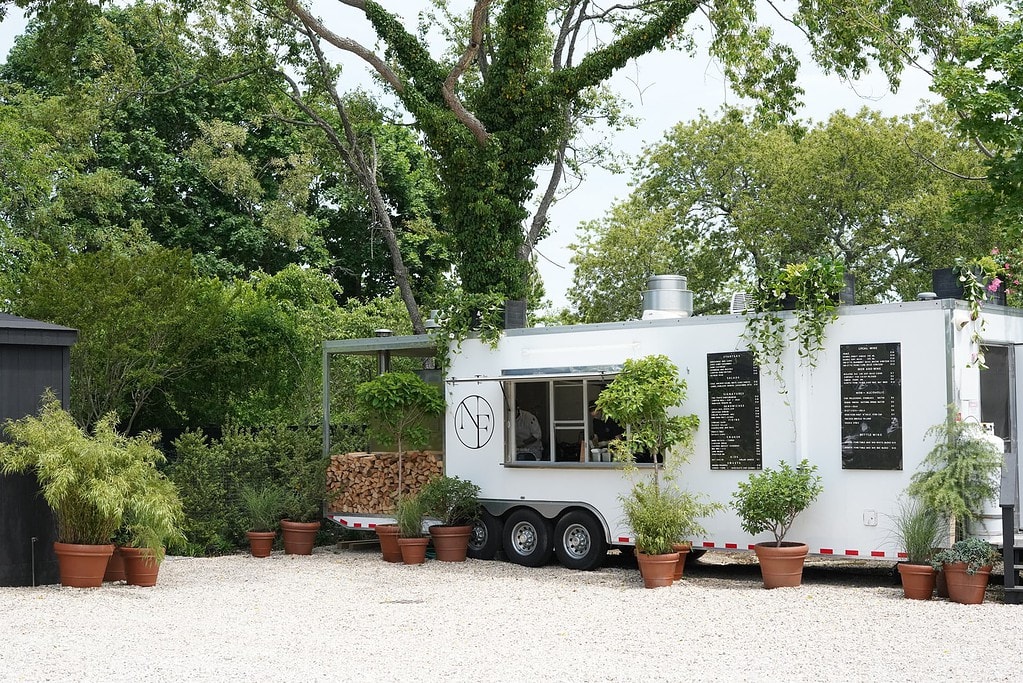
871, 406
733, 385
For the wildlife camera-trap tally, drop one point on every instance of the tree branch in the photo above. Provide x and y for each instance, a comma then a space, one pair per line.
930, 162
479, 15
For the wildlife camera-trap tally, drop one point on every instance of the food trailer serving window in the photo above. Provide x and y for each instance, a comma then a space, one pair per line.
548, 413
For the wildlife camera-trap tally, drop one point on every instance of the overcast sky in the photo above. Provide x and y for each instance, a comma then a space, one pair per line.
665, 88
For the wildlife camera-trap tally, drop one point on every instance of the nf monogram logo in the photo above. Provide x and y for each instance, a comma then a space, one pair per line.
474, 422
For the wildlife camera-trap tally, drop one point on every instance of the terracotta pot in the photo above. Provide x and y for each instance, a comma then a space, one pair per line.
683, 552
781, 566
413, 550
917, 580
450, 542
388, 535
261, 543
657, 570
82, 566
966, 589
299, 537
115, 567
140, 566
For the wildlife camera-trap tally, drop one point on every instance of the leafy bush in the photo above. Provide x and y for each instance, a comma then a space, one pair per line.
452, 500
975, 552
770, 500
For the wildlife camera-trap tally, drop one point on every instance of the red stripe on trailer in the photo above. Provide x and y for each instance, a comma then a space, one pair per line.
751, 546
732, 546
902, 556
827, 551
623, 539
852, 552
877, 553
708, 544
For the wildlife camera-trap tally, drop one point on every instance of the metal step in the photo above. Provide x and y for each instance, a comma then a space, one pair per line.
1014, 595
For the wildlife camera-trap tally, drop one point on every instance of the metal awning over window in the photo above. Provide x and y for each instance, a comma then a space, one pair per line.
542, 374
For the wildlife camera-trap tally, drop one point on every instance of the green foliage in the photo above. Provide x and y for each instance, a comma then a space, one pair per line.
409, 515
641, 396
396, 404
304, 478
660, 516
210, 473
771, 500
960, 472
263, 506
975, 552
95, 483
918, 530
453, 501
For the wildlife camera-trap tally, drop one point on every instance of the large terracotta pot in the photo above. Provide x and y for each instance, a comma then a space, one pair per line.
115, 567
82, 566
683, 552
657, 570
261, 543
140, 566
299, 537
966, 589
450, 542
388, 535
917, 580
413, 550
781, 566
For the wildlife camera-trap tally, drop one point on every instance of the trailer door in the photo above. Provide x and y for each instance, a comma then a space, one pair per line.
1000, 388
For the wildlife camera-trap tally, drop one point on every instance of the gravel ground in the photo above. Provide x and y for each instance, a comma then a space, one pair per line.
345, 615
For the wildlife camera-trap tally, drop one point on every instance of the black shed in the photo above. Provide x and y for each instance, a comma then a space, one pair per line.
34, 357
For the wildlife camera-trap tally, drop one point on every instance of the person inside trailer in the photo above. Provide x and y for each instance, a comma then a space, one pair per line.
528, 437
604, 430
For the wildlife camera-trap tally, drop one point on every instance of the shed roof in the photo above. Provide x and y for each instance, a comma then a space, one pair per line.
23, 331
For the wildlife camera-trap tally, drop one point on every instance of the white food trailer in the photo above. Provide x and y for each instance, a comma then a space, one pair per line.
886, 374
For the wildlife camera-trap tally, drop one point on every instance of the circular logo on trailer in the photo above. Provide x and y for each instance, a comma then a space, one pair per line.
474, 422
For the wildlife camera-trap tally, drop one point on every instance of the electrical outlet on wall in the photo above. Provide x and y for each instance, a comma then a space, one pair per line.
870, 517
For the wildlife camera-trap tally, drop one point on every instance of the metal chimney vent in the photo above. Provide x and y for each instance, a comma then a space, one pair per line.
666, 296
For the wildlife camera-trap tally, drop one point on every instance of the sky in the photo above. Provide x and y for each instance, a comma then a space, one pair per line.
664, 89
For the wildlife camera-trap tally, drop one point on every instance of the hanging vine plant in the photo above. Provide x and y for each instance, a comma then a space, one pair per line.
461, 314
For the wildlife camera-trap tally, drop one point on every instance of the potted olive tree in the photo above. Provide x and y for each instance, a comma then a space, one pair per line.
262, 508
455, 502
967, 568
918, 530
642, 397
770, 501
409, 516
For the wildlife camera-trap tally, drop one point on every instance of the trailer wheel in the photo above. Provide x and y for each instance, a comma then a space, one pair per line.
485, 540
527, 538
579, 541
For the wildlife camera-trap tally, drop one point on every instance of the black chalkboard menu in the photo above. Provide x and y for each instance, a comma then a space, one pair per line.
733, 384
871, 406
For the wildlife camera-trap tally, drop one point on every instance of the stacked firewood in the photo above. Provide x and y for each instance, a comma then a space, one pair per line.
368, 482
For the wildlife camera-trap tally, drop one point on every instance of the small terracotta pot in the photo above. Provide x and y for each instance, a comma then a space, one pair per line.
781, 566
388, 535
261, 543
299, 537
683, 552
115, 567
657, 570
413, 550
450, 542
82, 566
917, 580
140, 566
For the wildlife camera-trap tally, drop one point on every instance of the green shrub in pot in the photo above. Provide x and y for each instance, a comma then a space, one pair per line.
771, 499
453, 501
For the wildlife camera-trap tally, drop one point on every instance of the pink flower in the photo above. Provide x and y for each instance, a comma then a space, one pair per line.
994, 251
994, 284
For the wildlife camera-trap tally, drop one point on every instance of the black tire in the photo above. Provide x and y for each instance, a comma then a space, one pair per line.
485, 540
527, 538
579, 541
696, 553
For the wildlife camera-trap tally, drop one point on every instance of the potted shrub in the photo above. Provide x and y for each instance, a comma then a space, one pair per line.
770, 501
455, 502
85, 478
409, 516
642, 397
918, 530
262, 508
305, 493
152, 520
967, 568
396, 406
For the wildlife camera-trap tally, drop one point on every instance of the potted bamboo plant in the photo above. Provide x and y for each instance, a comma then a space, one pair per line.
918, 530
409, 516
770, 501
643, 396
262, 508
455, 502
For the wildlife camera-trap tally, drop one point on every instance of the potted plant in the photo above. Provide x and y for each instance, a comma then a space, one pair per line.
455, 502
409, 516
918, 530
152, 519
642, 397
967, 568
262, 508
306, 491
396, 406
770, 501
84, 478
959, 473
